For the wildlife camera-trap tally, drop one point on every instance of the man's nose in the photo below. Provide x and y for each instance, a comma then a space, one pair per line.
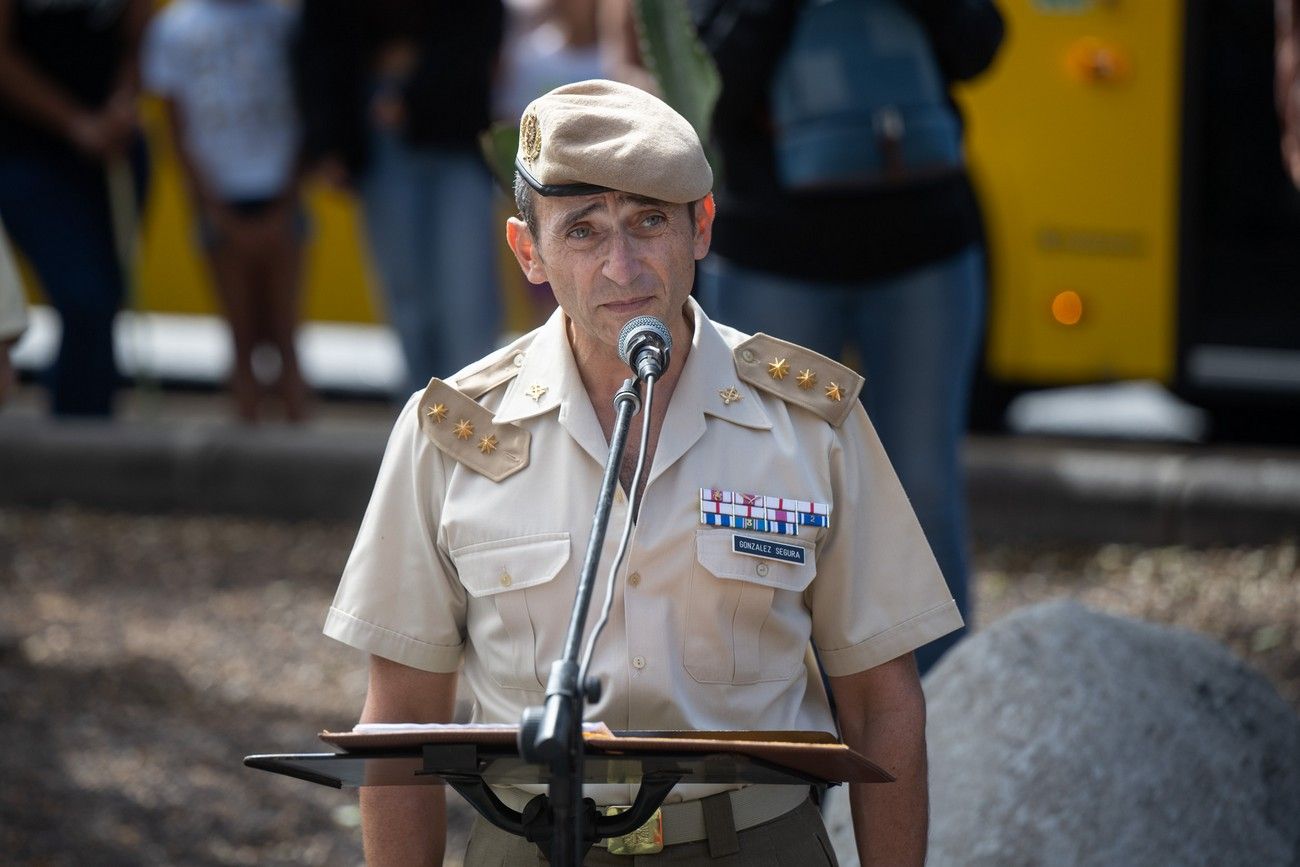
621, 265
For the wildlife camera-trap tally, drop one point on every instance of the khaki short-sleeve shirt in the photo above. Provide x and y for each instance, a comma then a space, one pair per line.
451, 566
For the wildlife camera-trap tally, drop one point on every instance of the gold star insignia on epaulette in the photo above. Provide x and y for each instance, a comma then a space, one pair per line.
488, 444
535, 391
464, 430
777, 368
729, 395
807, 379
437, 412
834, 392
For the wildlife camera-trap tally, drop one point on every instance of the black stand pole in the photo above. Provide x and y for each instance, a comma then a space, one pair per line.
552, 734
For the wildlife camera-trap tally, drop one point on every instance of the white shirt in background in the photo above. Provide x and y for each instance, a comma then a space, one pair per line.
225, 63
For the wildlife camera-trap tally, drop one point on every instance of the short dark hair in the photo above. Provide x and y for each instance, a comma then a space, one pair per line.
526, 204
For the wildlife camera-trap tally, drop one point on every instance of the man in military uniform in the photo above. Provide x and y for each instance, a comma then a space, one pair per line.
770, 522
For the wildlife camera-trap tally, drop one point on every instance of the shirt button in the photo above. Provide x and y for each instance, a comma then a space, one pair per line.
634, 579
761, 569
519, 360
748, 355
505, 579
638, 662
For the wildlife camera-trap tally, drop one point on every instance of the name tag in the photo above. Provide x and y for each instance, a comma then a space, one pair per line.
767, 549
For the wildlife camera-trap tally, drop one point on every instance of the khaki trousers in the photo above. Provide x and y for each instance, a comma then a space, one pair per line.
796, 839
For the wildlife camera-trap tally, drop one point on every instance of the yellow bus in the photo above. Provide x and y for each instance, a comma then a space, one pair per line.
1140, 221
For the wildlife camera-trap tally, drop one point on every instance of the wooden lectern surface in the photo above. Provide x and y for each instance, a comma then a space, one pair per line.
813, 754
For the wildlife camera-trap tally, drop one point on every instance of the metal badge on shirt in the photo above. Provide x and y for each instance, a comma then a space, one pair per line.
761, 512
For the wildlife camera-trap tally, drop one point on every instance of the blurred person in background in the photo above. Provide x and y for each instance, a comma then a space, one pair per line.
223, 68
394, 95
548, 43
13, 314
1288, 83
68, 86
877, 258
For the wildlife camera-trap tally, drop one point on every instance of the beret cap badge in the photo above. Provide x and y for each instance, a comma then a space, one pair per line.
530, 137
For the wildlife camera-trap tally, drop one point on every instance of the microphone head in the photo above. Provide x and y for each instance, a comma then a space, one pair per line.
637, 331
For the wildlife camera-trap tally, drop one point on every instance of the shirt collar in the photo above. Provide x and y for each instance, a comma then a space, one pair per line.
548, 379
547, 375
710, 372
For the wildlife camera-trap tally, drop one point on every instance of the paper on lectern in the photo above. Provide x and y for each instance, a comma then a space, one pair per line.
591, 728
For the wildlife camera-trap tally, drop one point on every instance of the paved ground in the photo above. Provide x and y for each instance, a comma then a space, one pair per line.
178, 451
142, 656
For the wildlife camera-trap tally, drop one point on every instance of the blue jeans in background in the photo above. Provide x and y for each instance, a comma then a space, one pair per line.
429, 224
916, 335
56, 209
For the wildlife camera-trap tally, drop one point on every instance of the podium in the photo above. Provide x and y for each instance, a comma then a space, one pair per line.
473, 758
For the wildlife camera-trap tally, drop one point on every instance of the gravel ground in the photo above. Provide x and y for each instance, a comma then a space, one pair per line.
142, 657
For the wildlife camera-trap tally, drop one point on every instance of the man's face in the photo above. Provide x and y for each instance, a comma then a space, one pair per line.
612, 256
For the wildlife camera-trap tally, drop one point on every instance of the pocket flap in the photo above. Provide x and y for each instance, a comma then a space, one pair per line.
488, 568
714, 549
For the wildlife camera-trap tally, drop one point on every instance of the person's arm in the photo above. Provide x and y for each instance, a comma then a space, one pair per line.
47, 105
882, 716
965, 34
202, 196
1287, 83
27, 91
405, 825
746, 41
137, 14
330, 88
620, 45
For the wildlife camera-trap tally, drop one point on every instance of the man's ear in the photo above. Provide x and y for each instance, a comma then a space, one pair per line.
525, 250
705, 211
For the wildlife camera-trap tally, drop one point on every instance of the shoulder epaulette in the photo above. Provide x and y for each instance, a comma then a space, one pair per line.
463, 429
799, 376
478, 381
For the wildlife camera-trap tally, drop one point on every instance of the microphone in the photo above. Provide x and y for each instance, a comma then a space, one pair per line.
643, 344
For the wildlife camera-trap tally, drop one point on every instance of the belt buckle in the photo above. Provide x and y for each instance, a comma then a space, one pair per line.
646, 840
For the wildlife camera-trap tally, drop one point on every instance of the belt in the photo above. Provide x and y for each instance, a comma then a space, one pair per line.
753, 805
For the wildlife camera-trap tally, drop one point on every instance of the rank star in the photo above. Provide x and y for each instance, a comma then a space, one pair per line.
834, 392
437, 412
777, 368
807, 379
464, 430
729, 395
488, 444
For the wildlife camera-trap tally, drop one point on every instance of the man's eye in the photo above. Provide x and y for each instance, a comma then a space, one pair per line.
652, 221
579, 233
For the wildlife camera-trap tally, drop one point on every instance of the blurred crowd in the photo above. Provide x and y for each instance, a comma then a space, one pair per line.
385, 101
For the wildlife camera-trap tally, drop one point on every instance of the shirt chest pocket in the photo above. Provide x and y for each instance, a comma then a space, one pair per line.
510, 583
746, 621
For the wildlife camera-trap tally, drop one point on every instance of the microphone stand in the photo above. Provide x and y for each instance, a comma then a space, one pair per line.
552, 734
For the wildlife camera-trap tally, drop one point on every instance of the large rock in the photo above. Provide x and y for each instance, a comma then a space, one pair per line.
1062, 736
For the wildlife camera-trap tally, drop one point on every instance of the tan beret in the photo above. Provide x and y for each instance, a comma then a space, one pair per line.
597, 135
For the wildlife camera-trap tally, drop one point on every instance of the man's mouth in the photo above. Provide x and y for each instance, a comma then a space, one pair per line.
629, 305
